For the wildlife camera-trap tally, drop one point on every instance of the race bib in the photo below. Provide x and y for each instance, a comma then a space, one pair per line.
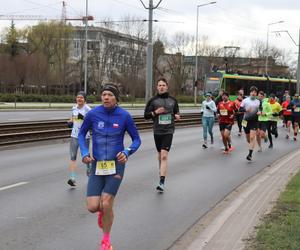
297, 109
224, 112
244, 123
165, 119
289, 110
105, 168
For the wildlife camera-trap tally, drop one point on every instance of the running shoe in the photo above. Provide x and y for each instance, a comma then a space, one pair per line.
231, 149
106, 245
225, 151
271, 146
249, 157
259, 150
240, 134
72, 182
88, 170
160, 188
204, 146
100, 224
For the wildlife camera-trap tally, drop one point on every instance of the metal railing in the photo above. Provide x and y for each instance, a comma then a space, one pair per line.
24, 132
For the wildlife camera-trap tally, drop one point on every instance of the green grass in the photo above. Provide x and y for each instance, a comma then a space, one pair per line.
281, 228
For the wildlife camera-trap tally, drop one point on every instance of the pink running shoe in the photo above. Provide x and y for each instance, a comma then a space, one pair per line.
231, 148
100, 220
105, 245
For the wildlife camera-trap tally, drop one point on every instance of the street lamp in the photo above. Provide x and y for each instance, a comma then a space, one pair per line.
196, 51
298, 63
85, 47
267, 47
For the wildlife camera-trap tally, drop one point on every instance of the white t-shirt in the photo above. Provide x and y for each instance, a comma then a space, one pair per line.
251, 107
78, 115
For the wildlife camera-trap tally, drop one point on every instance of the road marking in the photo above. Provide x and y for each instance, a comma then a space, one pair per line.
13, 185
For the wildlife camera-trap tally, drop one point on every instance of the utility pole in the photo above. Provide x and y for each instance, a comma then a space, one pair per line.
196, 51
298, 66
149, 73
267, 46
85, 47
298, 63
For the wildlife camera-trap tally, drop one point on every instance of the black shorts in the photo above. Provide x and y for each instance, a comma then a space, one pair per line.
295, 119
287, 118
163, 142
263, 125
251, 125
224, 126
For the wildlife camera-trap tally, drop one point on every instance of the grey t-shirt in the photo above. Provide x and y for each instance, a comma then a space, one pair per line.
251, 108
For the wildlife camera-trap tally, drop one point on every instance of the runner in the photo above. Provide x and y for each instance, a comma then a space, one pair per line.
264, 112
108, 123
78, 113
208, 109
287, 115
250, 106
295, 105
239, 115
273, 119
226, 110
163, 110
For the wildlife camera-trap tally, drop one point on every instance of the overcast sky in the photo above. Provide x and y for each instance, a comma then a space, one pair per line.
227, 22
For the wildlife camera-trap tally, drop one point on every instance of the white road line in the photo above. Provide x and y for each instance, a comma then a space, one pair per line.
13, 185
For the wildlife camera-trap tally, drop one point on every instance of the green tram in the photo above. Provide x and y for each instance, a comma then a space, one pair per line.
232, 83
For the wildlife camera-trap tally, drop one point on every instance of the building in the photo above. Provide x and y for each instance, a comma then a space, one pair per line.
112, 56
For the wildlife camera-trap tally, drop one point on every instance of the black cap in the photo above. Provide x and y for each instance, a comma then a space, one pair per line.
272, 95
112, 88
82, 93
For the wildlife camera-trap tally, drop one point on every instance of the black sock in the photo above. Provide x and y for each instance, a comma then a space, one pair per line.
162, 180
250, 152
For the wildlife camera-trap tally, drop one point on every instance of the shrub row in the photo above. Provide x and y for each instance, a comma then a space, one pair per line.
42, 98
71, 98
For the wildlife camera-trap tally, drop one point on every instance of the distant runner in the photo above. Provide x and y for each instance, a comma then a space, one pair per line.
250, 106
79, 111
164, 111
226, 110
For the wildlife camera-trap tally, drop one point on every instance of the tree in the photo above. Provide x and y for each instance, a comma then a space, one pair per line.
12, 37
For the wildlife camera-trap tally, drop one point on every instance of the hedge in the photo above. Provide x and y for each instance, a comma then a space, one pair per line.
71, 98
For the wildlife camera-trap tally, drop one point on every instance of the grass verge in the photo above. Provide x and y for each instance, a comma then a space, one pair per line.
281, 228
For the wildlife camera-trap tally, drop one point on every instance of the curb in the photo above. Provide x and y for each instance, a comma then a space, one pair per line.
233, 220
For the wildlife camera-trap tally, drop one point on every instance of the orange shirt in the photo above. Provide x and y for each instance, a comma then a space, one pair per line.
285, 109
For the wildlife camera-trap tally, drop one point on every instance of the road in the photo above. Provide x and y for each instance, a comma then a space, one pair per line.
38, 115
44, 213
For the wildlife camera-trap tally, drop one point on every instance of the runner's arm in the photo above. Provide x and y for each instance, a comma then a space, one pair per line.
86, 125
149, 112
135, 137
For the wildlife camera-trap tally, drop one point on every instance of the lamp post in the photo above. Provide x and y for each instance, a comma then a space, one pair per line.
267, 45
85, 47
298, 63
196, 51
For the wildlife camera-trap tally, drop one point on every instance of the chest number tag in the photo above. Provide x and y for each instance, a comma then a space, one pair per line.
105, 168
244, 123
297, 109
223, 112
165, 119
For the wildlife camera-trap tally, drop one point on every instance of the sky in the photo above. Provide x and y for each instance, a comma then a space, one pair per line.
227, 22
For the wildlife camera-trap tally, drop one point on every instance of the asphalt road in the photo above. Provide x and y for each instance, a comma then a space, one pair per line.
44, 213
38, 115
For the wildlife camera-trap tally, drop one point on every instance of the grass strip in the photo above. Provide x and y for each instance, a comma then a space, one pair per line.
281, 228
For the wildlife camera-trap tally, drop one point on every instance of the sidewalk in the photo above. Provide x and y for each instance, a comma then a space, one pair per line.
230, 223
